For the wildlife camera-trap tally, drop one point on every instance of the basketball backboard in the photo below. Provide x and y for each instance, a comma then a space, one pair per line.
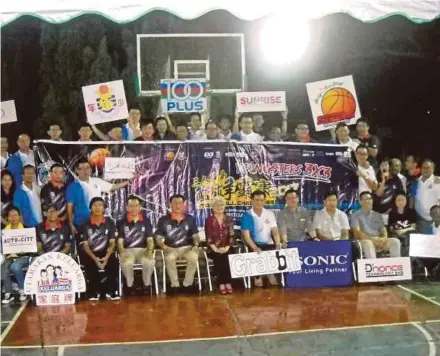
219, 58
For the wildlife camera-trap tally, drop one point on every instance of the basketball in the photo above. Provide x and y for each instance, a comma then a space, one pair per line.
97, 157
338, 100
170, 156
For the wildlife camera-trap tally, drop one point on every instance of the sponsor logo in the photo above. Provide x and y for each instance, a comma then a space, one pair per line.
209, 154
324, 260
236, 155
375, 270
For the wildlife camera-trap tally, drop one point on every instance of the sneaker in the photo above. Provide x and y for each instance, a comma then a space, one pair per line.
94, 297
15, 287
112, 296
8, 298
23, 296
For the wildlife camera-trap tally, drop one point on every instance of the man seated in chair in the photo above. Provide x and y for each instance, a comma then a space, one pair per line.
369, 228
259, 229
135, 243
97, 236
53, 235
331, 223
177, 235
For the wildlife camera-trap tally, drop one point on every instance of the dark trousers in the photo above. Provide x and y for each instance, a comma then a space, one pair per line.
101, 282
221, 267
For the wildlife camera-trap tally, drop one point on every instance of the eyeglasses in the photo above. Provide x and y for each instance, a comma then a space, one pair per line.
302, 128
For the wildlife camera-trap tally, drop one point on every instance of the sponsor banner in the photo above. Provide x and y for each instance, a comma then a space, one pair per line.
54, 278
119, 168
266, 262
105, 102
424, 246
183, 95
19, 241
261, 101
333, 101
8, 112
201, 171
384, 269
323, 264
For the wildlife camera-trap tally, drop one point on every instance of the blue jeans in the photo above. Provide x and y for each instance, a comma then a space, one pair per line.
17, 269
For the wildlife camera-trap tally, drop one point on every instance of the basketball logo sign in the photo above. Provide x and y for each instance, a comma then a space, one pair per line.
183, 95
333, 101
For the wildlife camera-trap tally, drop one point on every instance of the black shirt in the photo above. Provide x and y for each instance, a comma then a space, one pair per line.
98, 237
53, 240
51, 195
177, 234
133, 233
401, 221
384, 203
371, 141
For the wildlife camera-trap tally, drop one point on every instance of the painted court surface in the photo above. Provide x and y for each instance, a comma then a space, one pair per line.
361, 320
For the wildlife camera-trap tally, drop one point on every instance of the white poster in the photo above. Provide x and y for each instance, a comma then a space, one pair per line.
424, 246
105, 102
19, 241
384, 269
119, 168
183, 95
54, 278
266, 262
8, 112
262, 101
333, 101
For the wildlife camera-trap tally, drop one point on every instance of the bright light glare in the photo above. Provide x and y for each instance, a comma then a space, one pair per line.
283, 40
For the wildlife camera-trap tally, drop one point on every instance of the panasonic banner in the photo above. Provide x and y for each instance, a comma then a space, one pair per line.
323, 264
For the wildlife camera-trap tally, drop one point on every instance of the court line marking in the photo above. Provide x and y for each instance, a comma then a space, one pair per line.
6, 321
61, 351
431, 343
13, 321
409, 290
221, 337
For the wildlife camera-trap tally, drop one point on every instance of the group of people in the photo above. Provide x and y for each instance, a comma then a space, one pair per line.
70, 218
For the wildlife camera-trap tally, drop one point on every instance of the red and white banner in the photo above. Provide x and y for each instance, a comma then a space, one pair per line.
384, 269
261, 101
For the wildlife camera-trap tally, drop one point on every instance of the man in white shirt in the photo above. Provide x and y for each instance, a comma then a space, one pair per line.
196, 131
331, 223
259, 229
426, 193
4, 156
246, 134
132, 129
366, 173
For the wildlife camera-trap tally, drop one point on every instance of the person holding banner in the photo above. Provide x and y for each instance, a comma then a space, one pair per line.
98, 235
14, 263
135, 242
53, 235
260, 231
294, 222
80, 193
23, 157
219, 232
177, 235
132, 129
369, 228
54, 192
331, 223
8, 190
27, 198
246, 133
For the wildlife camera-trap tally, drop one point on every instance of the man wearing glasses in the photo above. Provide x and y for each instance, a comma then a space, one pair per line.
302, 134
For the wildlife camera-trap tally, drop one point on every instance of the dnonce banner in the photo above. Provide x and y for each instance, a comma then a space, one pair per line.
323, 264
200, 171
384, 269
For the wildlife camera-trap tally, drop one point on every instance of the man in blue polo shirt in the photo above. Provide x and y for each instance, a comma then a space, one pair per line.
23, 157
259, 229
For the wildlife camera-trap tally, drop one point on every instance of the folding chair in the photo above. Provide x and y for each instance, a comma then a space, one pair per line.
138, 267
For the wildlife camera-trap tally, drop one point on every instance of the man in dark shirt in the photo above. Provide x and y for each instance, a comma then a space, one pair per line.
368, 140
54, 192
135, 242
53, 235
98, 236
177, 236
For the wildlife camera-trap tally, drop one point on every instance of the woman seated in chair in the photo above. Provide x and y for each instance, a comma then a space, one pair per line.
219, 232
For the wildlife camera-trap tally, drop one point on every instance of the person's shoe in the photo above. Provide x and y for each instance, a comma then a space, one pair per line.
229, 289
272, 280
8, 298
189, 289
172, 291
22, 296
112, 296
94, 297
258, 282
15, 287
130, 291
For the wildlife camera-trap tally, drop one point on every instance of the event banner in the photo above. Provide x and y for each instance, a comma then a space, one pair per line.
384, 269
266, 262
202, 170
424, 246
54, 278
323, 264
19, 241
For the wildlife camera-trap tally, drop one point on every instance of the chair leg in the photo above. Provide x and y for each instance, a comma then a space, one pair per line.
120, 280
244, 278
155, 280
198, 276
282, 279
353, 266
208, 271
